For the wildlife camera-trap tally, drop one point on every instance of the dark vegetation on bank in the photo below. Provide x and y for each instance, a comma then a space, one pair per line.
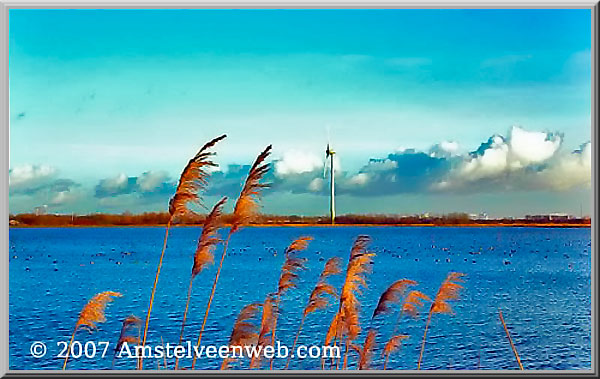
161, 218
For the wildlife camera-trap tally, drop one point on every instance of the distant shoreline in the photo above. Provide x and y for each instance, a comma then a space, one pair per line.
305, 225
160, 219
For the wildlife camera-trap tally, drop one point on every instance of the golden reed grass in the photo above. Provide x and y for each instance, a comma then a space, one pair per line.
266, 328
91, 314
130, 323
512, 345
344, 327
288, 277
287, 280
365, 353
244, 211
449, 290
244, 331
204, 254
392, 295
193, 180
411, 306
346, 321
319, 296
392, 345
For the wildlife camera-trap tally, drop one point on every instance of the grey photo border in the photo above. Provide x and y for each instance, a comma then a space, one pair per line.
5, 6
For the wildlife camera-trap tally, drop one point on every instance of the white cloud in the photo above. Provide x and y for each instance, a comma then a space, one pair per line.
63, 197
493, 161
359, 179
444, 149
151, 180
500, 156
532, 147
316, 185
26, 176
297, 162
382, 165
574, 169
116, 183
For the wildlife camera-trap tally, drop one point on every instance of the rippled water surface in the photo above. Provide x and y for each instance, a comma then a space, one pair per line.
539, 277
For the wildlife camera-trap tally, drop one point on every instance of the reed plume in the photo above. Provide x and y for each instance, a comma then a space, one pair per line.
358, 266
365, 353
288, 277
193, 180
392, 295
204, 254
244, 331
318, 297
91, 314
246, 208
412, 304
449, 290
392, 345
130, 323
266, 328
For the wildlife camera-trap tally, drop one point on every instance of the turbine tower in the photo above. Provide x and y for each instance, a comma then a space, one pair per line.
329, 155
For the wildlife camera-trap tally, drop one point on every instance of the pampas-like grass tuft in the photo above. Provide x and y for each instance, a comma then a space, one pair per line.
449, 290
244, 331
204, 254
192, 181
246, 208
91, 314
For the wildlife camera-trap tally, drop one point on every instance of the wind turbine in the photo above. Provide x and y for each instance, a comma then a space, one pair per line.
329, 153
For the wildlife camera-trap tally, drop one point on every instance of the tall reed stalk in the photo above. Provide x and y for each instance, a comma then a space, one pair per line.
449, 290
193, 180
411, 306
244, 331
512, 345
347, 323
245, 209
288, 278
129, 323
365, 353
91, 314
392, 295
266, 328
204, 255
392, 345
318, 299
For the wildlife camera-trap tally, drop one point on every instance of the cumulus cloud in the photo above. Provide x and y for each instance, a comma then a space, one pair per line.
38, 185
532, 147
151, 181
31, 179
572, 170
147, 184
297, 162
444, 149
65, 197
519, 160
27, 176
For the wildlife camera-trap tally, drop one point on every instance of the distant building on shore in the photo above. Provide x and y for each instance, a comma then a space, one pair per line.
479, 216
552, 217
41, 210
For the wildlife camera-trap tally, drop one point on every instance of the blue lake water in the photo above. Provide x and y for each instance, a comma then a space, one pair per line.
538, 277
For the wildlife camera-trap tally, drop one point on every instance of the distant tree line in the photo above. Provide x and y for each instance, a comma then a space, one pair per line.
161, 218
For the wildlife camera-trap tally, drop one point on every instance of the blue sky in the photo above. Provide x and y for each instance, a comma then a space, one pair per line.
104, 97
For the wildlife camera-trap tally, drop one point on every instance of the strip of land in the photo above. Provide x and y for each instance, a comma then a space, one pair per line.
161, 219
